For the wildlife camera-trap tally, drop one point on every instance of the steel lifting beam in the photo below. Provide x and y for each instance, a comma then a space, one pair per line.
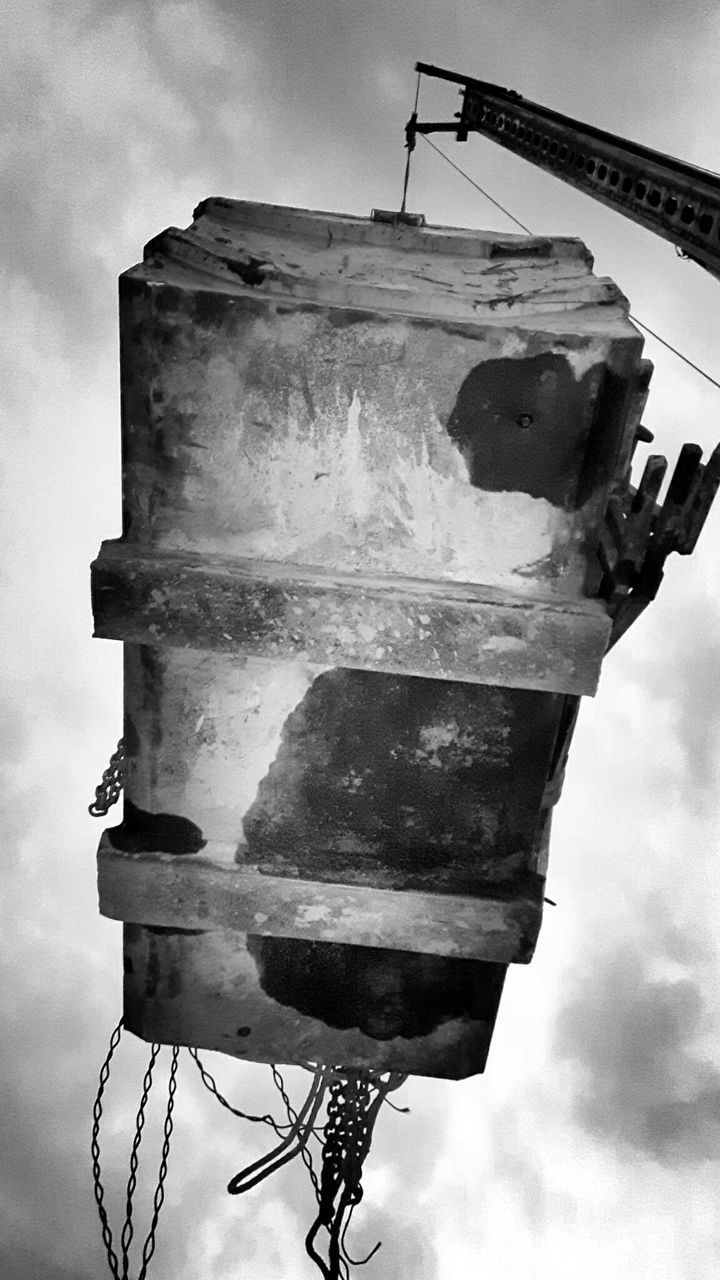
675, 200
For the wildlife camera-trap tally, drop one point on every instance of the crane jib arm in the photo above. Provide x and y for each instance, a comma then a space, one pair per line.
675, 200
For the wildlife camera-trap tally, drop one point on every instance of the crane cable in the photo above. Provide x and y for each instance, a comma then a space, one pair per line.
520, 224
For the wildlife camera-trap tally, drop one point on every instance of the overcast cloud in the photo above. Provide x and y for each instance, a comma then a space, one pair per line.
643, 1085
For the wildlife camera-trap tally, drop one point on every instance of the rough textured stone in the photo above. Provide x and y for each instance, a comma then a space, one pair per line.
205, 891
449, 631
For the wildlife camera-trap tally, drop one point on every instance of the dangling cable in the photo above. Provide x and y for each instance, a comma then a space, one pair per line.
675, 351
410, 142
148, 1249
477, 186
285, 1150
128, 1229
95, 1150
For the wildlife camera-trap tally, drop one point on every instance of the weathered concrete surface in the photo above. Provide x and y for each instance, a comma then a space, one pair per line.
278, 1000
448, 631
325, 391
365, 471
339, 774
204, 891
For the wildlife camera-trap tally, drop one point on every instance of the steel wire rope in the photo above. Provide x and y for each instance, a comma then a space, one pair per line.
285, 1150
159, 1197
518, 223
95, 1151
210, 1084
292, 1116
128, 1229
148, 1248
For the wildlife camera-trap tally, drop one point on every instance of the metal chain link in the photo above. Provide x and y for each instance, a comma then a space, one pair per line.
352, 1109
346, 1134
113, 781
356, 1098
159, 1197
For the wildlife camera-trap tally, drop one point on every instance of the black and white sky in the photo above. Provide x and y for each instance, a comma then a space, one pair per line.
590, 1147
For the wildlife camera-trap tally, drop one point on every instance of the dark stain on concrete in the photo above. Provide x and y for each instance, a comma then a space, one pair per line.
152, 665
131, 737
143, 832
339, 318
152, 970
382, 993
528, 249
209, 310
174, 978
250, 272
404, 782
610, 406
171, 931
524, 424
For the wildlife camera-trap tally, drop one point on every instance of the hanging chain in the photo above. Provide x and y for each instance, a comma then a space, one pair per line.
355, 1102
112, 783
119, 1270
345, 1145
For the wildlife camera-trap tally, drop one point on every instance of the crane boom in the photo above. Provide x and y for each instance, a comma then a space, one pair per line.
675, 200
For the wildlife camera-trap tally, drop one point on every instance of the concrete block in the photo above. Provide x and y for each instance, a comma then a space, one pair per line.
365, 475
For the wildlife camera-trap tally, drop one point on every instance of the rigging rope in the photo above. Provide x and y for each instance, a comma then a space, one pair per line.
517, 222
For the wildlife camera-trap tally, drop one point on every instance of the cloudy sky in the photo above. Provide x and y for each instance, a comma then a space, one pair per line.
590, 1147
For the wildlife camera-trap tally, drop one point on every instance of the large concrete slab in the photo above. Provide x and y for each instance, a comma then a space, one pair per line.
203, 891
450, 631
